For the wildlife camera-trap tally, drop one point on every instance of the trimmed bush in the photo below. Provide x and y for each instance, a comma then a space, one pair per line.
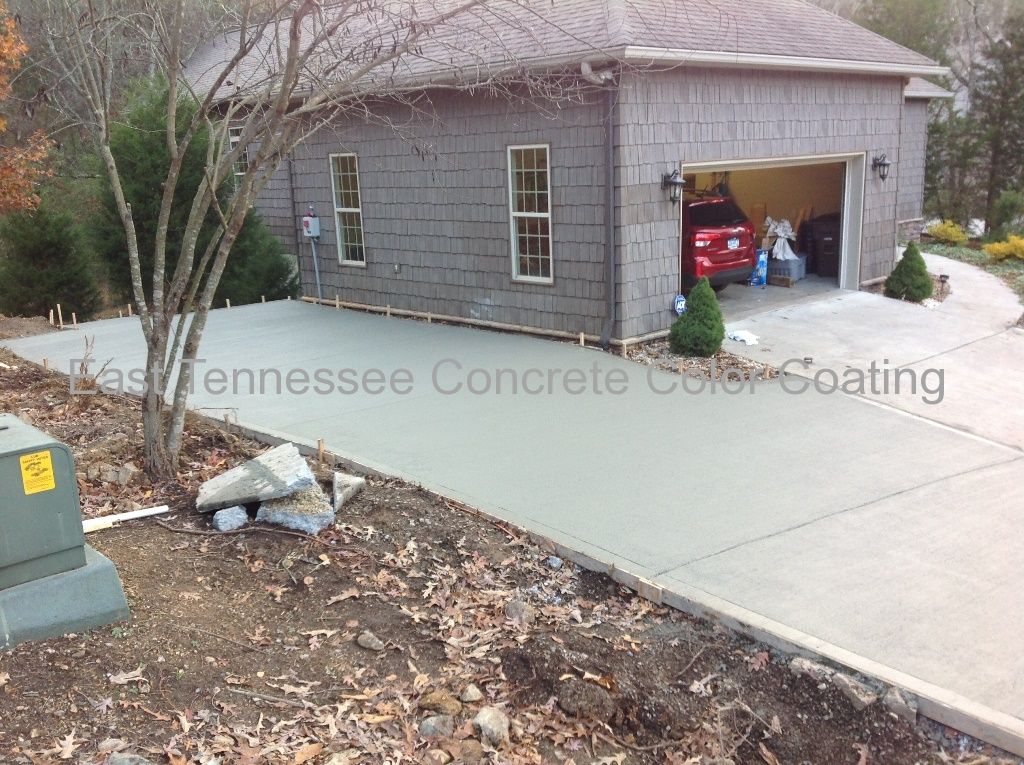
910, 279
1011, 248
45, 262
948, 232
700, 331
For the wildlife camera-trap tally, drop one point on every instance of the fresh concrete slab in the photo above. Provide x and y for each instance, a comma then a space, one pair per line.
661, 484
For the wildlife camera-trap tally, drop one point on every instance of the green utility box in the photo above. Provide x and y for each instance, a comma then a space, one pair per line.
51, 582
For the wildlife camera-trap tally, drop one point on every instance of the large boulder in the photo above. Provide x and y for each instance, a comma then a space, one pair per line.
278, 473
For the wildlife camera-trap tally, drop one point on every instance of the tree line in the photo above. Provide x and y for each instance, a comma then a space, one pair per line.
975, 162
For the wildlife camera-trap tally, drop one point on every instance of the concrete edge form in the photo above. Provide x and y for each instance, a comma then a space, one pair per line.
936, 703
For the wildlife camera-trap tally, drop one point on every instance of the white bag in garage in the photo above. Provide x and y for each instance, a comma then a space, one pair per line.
782, 230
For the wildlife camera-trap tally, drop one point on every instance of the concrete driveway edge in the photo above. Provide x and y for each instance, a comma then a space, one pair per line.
936, 703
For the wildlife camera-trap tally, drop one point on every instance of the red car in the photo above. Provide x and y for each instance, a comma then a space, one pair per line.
718, 242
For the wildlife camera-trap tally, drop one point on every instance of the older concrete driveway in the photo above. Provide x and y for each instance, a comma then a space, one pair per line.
860, 532
970, 337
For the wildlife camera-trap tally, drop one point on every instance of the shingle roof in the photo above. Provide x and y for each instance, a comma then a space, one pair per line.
781, 33
918, 87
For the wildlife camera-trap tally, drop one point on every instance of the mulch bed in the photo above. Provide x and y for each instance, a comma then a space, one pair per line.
242, 647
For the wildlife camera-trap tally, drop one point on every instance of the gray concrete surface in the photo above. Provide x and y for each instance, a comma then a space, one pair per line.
970, 337
844, 521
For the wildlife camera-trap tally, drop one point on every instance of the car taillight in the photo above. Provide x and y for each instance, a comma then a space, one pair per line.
703, 240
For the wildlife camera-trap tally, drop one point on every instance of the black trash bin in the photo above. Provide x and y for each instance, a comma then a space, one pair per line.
825, 240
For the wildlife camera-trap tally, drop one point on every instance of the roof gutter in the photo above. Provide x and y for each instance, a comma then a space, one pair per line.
639, 54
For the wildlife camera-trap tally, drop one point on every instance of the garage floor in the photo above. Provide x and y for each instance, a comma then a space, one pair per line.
738, 301
852, 529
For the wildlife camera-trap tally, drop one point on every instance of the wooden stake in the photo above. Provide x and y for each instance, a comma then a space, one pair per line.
337, 301
430, 318
51, 317
583, 339
320, 449
228, 302
263, 298
129, 309
388, 311
625, 351
120, 313
60, 316
46, 365
74, 320
682, 367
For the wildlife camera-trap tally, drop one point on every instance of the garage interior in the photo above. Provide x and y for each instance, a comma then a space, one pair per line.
813, 196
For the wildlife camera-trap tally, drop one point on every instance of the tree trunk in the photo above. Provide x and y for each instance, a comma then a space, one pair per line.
161, 464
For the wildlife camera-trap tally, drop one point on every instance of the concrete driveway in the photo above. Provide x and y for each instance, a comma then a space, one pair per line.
970, 337
828, 522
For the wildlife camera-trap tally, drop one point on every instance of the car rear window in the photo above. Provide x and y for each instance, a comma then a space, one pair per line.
723, 213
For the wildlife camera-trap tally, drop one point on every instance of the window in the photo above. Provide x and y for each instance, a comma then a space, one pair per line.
242, 163
530, 203
348, 213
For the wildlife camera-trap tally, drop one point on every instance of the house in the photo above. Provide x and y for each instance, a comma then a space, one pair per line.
554, 219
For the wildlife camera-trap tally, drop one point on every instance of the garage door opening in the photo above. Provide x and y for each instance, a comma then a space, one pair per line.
821, 197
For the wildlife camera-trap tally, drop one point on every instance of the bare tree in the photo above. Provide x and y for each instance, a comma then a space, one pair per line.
275, 71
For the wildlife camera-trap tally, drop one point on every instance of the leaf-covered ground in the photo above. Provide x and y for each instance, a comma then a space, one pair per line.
249, 647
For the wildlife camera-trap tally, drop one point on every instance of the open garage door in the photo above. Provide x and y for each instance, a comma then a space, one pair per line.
822, 197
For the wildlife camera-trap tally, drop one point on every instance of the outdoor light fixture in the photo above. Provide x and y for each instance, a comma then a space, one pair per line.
674, 183
881, 166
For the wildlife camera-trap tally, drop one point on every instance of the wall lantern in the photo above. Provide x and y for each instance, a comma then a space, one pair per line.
674, 183
881, 166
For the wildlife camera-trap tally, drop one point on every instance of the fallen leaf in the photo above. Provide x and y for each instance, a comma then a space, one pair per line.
766, 755
5, 678
758, 661
123, 678
67, 746
351, 592
306, 753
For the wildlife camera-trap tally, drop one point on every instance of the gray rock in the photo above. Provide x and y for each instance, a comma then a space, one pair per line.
345, 487
280, 472
370, 642
437, 726
901, 704
554, 562
308, 511
471, 694
119, 758
812, 669
586, 700
860, 694
230, 518
521, 612
492, 725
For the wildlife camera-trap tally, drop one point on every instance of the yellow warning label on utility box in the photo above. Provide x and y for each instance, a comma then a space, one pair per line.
37, 473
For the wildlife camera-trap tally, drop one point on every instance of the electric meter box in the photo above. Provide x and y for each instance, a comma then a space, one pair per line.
51, 582
311, 226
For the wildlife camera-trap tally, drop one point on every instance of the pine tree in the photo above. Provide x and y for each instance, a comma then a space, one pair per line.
910, 279
700, 331
256, 266
44, 263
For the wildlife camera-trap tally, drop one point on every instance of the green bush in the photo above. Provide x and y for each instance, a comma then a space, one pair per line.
910, 279
256, 265
947, 232
45, 262
699, 331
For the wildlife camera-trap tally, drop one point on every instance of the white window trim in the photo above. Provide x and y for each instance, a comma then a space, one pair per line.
338, 210
512, 215
234, 136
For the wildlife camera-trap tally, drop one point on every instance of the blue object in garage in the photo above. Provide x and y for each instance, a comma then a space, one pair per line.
760, 276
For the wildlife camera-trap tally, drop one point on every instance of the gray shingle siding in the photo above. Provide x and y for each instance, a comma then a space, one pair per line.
913, 150
435, 189
435, 204
701, 115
